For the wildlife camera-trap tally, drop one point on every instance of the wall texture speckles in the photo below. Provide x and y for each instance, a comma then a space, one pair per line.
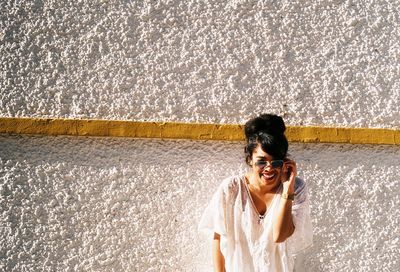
119, 204
326, 62
112, 204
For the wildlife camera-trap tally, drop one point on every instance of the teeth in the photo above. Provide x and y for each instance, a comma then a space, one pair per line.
269, 176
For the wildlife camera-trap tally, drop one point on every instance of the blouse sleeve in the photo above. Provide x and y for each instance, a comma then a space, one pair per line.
214, 216
302, 237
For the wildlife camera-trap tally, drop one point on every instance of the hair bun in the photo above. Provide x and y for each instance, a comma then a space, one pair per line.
269, 123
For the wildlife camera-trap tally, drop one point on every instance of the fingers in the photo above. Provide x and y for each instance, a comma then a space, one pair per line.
289, 165
290, 169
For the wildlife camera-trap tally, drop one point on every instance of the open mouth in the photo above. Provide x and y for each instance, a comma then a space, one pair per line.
269, 176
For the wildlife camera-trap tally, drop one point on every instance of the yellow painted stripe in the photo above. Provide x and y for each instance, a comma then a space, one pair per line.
192, 131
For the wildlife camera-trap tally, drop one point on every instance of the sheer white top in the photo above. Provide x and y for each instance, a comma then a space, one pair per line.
246, 237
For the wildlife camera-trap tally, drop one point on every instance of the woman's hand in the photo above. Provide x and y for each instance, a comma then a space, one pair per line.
288, 177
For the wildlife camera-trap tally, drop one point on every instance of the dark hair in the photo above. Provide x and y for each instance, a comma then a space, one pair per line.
266, 130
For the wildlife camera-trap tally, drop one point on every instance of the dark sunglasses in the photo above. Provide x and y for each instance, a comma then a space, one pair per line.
274, 164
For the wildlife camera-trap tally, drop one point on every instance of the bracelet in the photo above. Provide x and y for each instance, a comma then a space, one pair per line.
288, 196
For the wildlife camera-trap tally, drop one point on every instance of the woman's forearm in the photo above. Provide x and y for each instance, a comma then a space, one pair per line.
283, 226
219, 261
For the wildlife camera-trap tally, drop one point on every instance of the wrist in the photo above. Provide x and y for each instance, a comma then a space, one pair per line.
287, 196
288, 189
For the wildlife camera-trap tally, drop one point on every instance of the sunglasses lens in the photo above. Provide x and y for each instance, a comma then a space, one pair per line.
276, 164
261, 164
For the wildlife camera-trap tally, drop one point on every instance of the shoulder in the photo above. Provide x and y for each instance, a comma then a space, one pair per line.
230, 186
299, 185
300, 190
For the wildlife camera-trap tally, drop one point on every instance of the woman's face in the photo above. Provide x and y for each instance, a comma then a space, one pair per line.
271, 173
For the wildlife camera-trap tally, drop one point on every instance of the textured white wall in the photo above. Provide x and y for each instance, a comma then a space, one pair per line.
109, 204
317, 62
112, 204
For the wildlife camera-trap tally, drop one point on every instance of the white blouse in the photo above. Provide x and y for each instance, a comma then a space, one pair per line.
246, 236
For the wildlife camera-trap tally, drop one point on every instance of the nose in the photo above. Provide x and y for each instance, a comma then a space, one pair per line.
268, 167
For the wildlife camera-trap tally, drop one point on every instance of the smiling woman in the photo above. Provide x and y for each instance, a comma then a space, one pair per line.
261, 219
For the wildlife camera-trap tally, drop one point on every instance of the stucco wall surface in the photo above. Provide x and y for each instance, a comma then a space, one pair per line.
108, 204
115, 204
315, 62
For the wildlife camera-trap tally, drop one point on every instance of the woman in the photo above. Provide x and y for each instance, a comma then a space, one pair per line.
259, 220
